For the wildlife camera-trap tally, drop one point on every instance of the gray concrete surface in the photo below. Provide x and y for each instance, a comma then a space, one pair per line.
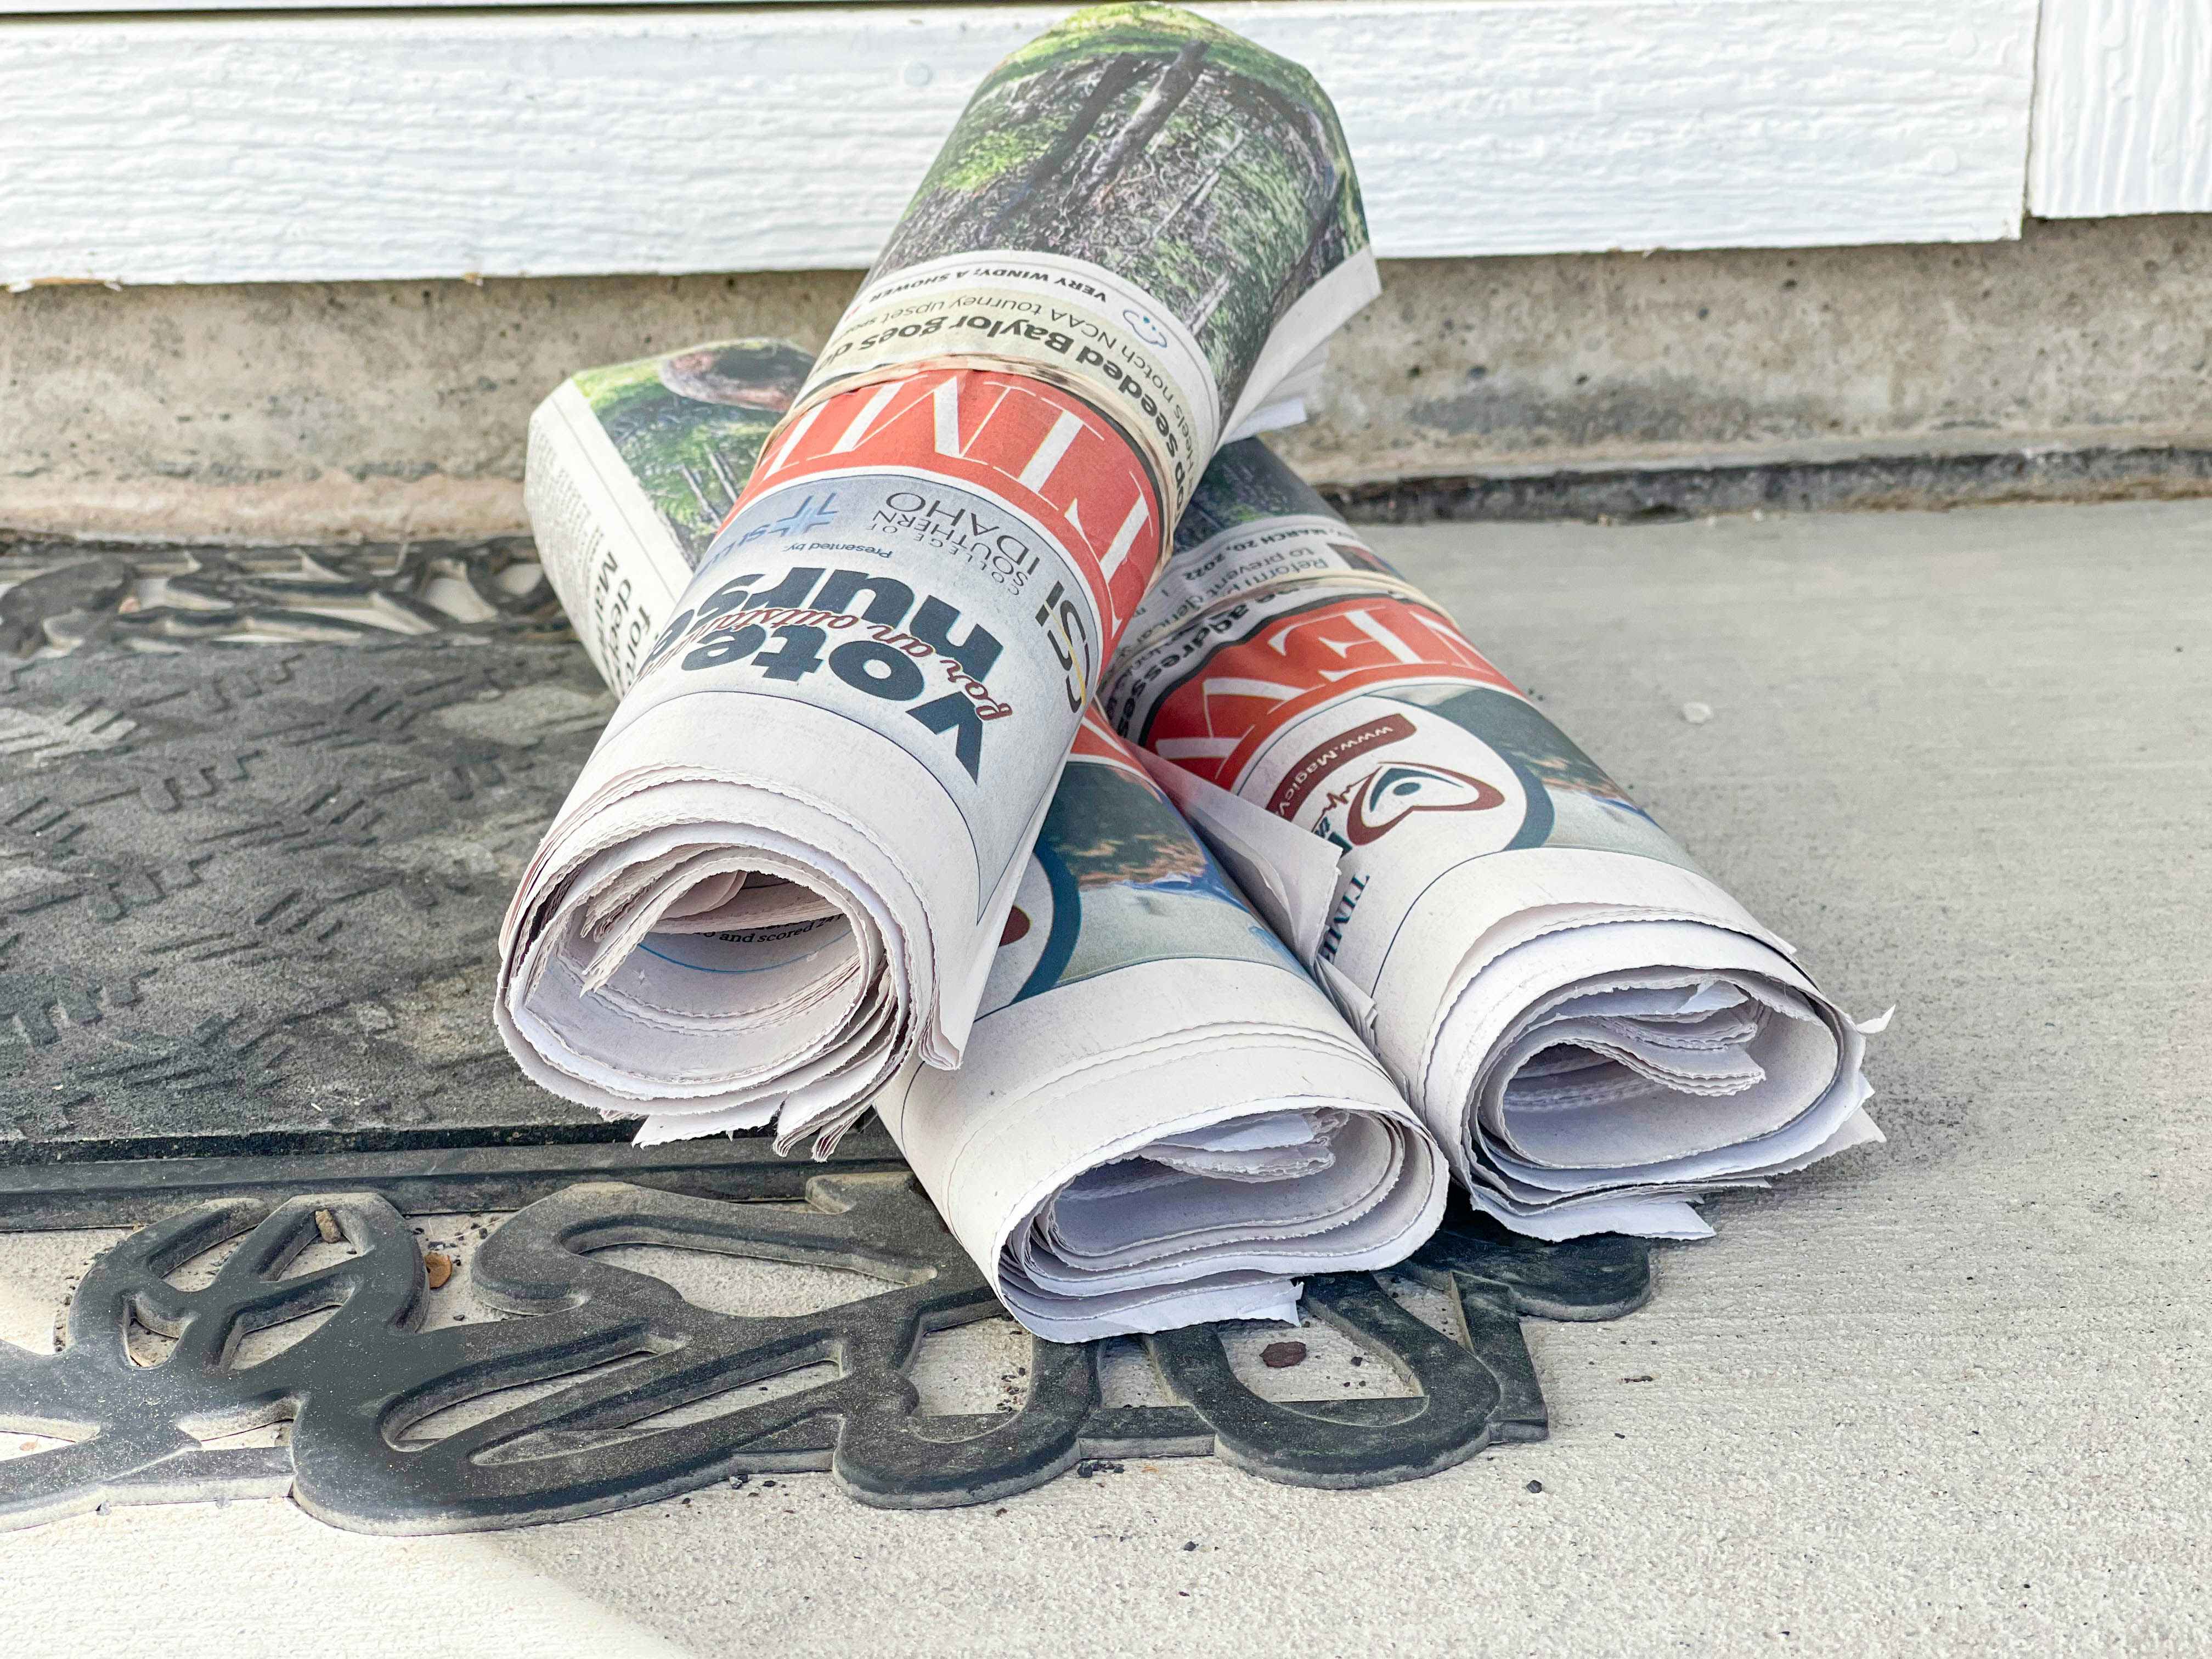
1945, 1395
398, 409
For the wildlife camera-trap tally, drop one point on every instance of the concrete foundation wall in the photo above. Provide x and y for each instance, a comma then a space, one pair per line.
386, 411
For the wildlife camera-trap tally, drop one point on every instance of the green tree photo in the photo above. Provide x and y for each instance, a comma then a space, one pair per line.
690, 425
1211, 172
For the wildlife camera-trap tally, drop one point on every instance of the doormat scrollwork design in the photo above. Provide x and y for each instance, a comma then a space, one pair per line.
642, 1419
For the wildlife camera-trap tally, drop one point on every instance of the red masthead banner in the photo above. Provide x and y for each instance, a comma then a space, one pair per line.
1042, 451
1289, 663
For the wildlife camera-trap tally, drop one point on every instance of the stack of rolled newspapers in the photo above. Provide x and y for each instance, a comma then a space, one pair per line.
859, 835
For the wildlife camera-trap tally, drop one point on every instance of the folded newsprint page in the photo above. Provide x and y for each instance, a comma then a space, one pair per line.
784, 872
1161, 1119
1596, 1031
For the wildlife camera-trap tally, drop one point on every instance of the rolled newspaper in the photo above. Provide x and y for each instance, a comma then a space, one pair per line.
1161, 1119
1596, 1032
784, 872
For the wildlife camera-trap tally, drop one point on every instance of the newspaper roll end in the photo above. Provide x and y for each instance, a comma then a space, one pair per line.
719, 916
1096, 1212
1642, 1062
1203, 1224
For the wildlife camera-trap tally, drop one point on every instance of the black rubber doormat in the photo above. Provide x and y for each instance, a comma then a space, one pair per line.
658, 1398
250, 897
250, 894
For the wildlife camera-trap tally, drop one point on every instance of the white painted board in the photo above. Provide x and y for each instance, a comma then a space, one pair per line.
306, 148
2122, 109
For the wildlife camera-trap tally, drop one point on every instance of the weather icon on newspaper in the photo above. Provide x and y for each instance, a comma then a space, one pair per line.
801, 518
1141, 323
